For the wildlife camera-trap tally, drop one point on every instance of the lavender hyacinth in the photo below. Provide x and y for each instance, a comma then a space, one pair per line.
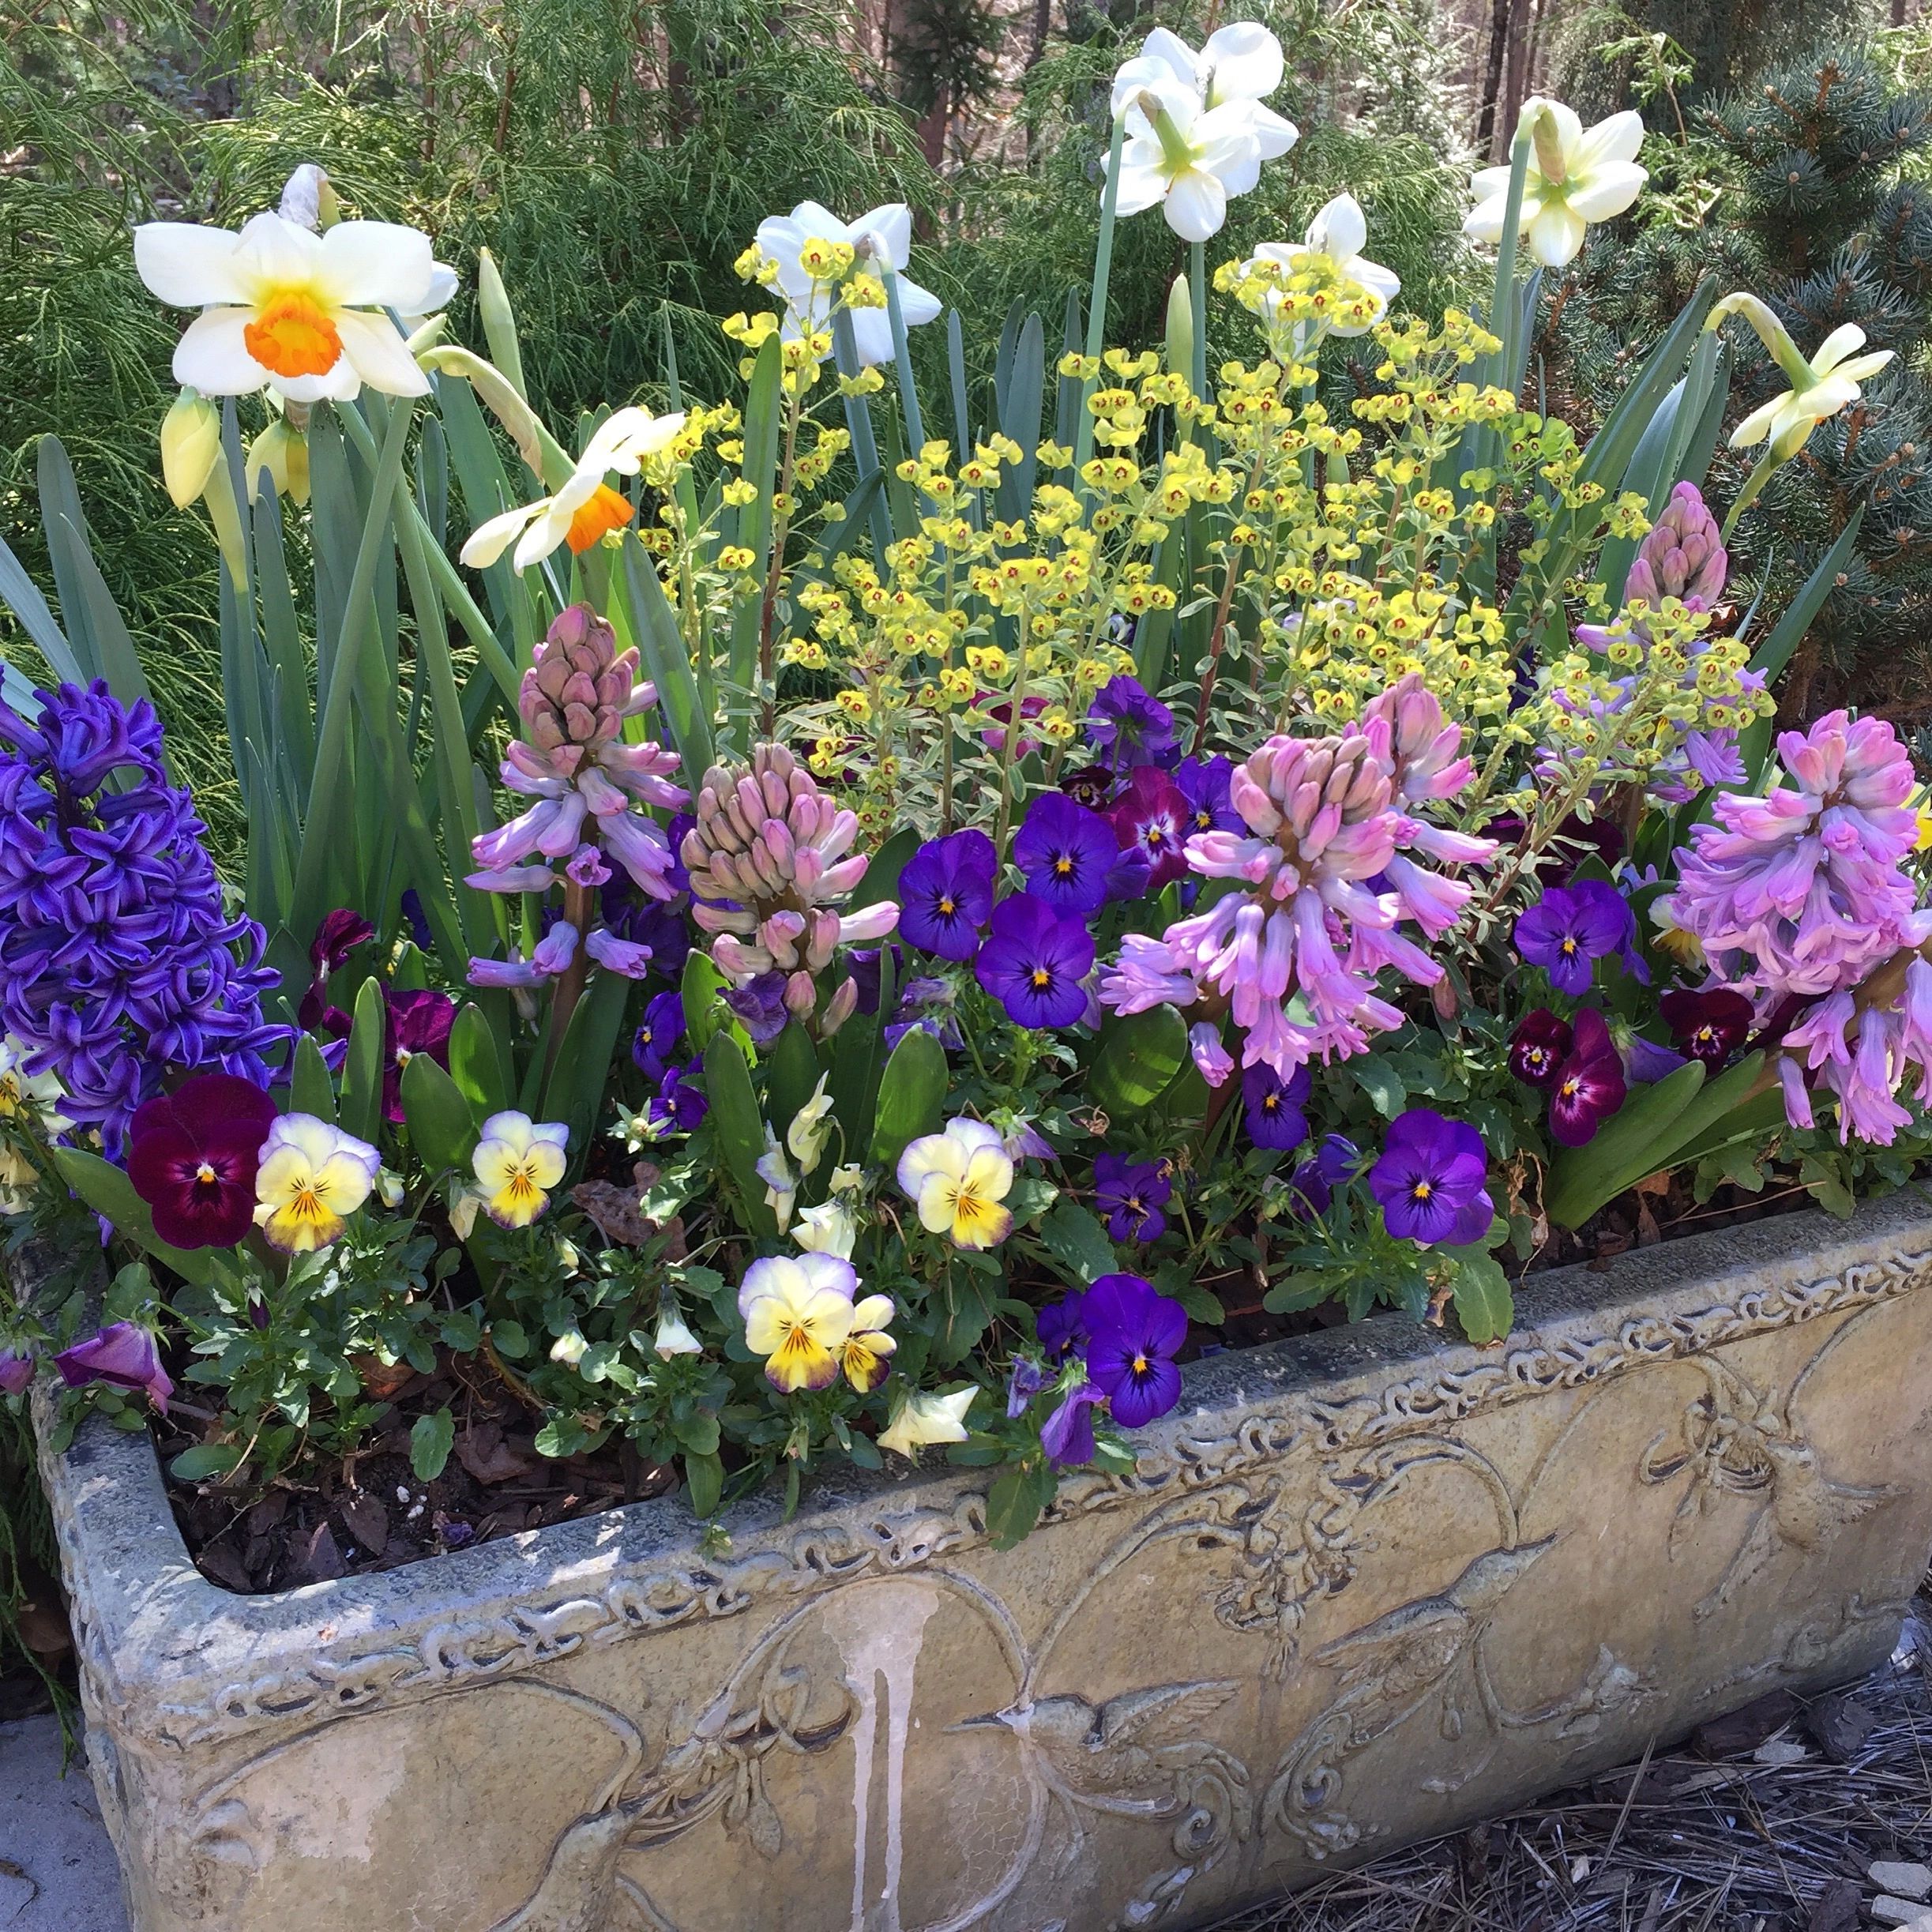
1326, 859
117, 961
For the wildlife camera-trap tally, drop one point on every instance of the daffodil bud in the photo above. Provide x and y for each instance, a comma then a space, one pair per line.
499, 322
1180, 325
283, 457
191, 446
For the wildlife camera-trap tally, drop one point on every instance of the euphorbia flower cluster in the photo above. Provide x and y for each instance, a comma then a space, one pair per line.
1326, 859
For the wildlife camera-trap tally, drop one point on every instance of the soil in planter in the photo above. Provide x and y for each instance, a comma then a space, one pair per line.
372, 1512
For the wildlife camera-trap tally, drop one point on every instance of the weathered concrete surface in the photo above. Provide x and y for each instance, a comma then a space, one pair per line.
1359, 1589
57, 1868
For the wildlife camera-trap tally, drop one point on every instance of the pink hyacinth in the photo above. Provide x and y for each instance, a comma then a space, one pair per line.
1682, 556
1326, 860
1801, 892
1863, 1055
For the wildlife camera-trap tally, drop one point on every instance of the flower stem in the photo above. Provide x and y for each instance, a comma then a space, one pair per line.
576, 911
1197, 295
1096, 299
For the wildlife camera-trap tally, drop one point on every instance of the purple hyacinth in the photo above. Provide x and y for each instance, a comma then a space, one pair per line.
1429, 1180
1066, 853
1130, 728
1130, 1196
662, 1028
1036, 963
1682, 556
1571, 927
945, 894
117, 961
1589, 1085
1273, 1106
1134, 1335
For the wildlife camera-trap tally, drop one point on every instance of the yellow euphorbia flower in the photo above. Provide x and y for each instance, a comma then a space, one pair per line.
312, 1176
515, 1162
798, 1315
957, 1180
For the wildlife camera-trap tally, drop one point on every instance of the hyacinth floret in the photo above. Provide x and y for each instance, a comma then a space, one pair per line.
771, 861
117, 960
1329, 860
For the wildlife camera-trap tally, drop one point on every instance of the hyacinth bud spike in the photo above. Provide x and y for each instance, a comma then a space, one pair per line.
748, 805
840, 879
776, 837
839, 1009
801, 995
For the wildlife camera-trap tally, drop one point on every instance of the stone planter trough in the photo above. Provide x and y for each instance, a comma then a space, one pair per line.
1362, 1586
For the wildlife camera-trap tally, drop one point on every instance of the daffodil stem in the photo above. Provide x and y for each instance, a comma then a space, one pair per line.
1760, 475
1197, 293
908, 391
1096, 296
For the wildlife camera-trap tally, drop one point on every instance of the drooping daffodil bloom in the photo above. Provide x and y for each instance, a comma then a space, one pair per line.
190, 447
517, 1160
1574, 176
810, 1129
284, 308
958, 1179
1822, 383
817, 261
922, 1418
1187, 158
798, 1315
312, 1176
585, 508
280, 456
1336, 238
1238, 68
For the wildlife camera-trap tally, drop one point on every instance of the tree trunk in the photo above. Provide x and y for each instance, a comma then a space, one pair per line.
1486, 134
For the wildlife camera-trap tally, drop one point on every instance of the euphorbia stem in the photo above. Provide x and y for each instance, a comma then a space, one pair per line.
1216, 638
1011, 750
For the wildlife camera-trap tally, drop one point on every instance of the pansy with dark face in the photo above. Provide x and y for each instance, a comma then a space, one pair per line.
1539, 1046
1135, 1335
193, 1156
1589, 1085
1152, 815
945, 894
1036, 963
1273, 1106
419, 1021
1066, 853
1709, 1026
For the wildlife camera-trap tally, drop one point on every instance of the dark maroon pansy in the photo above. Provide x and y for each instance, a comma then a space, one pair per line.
192, 1156
1589, 1085
1153, 816
1710, 1027
419, 1022
1538, 1047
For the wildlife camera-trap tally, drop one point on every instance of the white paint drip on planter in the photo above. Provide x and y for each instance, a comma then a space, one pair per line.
879, 1633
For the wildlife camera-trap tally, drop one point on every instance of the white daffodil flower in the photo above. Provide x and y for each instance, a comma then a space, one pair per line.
1338, 234
1574, 176
811, 236
1187, 158
1823, 384
586, 507
285, 309
1239, 67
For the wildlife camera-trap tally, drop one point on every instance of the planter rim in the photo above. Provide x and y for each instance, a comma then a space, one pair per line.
156, 1635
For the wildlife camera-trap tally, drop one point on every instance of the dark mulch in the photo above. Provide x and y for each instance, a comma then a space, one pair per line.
1734, 1831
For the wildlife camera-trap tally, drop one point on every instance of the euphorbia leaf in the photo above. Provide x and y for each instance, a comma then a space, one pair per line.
912, 1092
1140, 1054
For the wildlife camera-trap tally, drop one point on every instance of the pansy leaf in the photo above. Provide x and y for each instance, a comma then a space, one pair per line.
1480, 1289
431, 1437
1075, 1238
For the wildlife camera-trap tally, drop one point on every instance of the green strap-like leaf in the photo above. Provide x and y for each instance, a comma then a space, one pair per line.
739, 1129
1139, 1055
912, 1092
361, 1110
441, 1129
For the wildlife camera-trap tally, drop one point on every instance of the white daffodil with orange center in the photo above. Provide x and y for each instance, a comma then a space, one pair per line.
312, 1178
286, 309
585, 509
957, 1180
799, 1315
516, 1163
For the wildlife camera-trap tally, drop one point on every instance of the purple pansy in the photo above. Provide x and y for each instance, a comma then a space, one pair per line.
1206, 784
759, 1002
1036, 964
945, 894
1573, 927
1709, 1026
122, 1355
1273, 1106
1329, 1166
1589, 1086
1129, 1195
1027, 1379
418, 1020
679, 1108
339, 935
193, 1154
1062, 1328
1066, 853
16, 1372
1539, 1045
1429, 1180
661, 1028
1067, 1434
1152, 817
1134, 1334
1128, 726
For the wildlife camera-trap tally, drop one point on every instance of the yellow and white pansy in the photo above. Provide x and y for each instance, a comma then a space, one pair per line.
287, 308
312, 1178
814, 256
799, 1315
958, 1179
867, 1355
585, 509
1336, 238
921, 1417
517, 1160
1573, 176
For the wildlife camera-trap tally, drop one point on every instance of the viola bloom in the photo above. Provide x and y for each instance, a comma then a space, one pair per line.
813, 252
1331, 1165
1338, 234
1709, 1026
584, 509
922, 1417
1273, 1106
1572, 927
193, 1156
1589, 1085
16, 1372
798, 1315
1575, 176
1065, 853
312, 1176
830, 1228
661, 1028
945, 894
1134, 1335
418, 1021
1036, 963
811, 1128
958, 1179
1128, 726
1429, 1180
1205, 785
1129, 1195
1067, 1434
122, 1356
679, 1105
290, 309
673, 1336
515, 1162
1539, 1046
866, 1358
1061, 1327
1152, 817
